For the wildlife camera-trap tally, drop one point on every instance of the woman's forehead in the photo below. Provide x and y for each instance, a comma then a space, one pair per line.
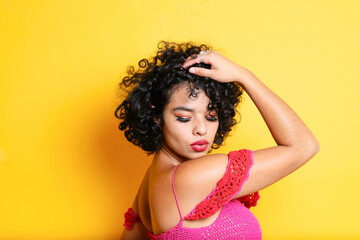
183, 96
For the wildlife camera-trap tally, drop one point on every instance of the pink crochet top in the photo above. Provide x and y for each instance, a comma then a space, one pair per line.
235, 220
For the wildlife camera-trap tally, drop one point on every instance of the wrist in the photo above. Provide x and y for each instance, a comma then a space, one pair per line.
244, 76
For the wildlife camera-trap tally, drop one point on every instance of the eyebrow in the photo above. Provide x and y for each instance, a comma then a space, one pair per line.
183, 109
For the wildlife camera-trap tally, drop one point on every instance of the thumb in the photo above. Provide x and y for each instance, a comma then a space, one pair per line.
200, 71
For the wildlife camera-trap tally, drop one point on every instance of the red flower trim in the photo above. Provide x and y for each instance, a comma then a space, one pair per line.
250, 200
130, 219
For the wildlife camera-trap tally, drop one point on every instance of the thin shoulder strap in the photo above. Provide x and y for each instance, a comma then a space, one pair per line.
173, 185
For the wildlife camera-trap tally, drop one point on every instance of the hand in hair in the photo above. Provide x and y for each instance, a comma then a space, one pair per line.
222, 69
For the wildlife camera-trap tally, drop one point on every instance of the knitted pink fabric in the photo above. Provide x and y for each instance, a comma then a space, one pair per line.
235, 220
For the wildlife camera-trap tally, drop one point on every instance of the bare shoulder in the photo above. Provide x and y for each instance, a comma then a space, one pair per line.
207, 168
195, 179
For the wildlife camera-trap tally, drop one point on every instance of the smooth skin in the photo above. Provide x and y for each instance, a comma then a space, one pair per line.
198, 173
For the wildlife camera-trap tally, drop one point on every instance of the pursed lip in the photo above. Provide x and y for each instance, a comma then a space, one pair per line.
200, 142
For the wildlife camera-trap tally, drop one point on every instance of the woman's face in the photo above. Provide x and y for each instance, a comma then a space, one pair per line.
189, 126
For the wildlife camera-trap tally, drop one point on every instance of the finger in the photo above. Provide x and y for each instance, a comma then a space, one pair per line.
206, 58
191, 57
190, 61
201, 71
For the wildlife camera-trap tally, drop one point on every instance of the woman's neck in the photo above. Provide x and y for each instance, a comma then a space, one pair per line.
168, 155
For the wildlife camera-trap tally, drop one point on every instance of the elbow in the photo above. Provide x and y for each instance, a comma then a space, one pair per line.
316, 147
311, 148
306, 149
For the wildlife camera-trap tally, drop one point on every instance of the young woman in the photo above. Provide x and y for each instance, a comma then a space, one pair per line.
180, 105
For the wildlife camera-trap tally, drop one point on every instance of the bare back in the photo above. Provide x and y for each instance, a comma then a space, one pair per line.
155, 201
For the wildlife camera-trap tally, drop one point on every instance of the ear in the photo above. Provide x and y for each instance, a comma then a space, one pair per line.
157, 120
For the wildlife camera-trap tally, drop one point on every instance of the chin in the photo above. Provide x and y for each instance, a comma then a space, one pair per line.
197, 155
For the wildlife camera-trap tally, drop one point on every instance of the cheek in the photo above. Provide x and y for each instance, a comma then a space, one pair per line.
214, 128
175, 133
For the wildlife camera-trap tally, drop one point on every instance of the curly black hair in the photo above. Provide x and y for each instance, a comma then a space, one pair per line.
149, 89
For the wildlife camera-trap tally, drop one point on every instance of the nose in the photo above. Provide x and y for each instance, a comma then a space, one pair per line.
200, 127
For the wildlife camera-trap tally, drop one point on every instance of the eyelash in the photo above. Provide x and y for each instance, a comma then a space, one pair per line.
213, 119
180, 119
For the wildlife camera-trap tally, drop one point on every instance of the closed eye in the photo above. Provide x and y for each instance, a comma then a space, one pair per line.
212, 119
212, 116
181, 119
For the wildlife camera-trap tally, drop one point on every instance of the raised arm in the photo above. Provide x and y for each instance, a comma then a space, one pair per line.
295, 142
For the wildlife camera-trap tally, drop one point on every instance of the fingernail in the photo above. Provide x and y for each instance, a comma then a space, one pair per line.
192, 70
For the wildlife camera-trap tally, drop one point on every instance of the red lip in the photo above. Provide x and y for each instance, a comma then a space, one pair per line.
200, 145
200, 142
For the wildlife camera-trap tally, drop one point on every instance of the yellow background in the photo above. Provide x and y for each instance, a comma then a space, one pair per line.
66, 172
